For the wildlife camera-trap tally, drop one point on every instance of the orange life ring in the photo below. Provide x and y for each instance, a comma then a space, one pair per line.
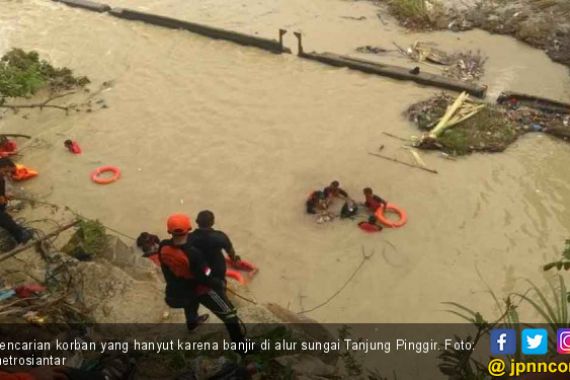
379, 214
103, 181
235, 275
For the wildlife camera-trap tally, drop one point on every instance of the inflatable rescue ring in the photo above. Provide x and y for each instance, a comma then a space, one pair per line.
380, 215
95, 176
231, 273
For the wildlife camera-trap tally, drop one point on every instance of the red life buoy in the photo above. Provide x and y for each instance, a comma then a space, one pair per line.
235, 275
380, 215
103, 181
368, 227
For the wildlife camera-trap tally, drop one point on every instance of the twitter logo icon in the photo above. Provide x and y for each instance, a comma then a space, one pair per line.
534, 341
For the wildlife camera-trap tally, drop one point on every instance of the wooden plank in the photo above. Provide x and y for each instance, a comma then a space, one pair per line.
30, 244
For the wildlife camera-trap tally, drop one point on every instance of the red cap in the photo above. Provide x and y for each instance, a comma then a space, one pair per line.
178, 224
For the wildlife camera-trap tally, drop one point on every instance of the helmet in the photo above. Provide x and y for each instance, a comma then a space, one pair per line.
178, 224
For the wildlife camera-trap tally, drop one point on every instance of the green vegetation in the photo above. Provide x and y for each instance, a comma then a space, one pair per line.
552, 306
416, 14
490, 130
22, 74
90, 239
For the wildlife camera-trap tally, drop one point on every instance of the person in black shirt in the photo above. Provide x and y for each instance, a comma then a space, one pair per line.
334, 190
212, 243
21, 235
373, 201
349, 209
316, 203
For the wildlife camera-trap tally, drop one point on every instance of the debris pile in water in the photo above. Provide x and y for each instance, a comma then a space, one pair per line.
467, 66
368, 49
491, 129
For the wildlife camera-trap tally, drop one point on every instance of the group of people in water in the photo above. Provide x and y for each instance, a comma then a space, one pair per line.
320, 201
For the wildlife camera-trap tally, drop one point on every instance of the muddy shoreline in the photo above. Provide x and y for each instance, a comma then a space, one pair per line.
546, 27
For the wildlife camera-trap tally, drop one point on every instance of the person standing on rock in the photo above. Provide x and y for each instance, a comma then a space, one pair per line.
189, 282
212, 243
20, 234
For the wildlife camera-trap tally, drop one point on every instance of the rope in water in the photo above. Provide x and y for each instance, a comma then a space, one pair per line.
364, 259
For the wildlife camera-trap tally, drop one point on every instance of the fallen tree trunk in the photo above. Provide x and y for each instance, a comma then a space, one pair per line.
15, 135
29, 245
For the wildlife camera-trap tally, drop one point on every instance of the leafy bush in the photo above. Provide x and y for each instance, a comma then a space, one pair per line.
89, 239
23, 74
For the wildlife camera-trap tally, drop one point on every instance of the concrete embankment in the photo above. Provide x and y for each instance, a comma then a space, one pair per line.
86, 4
274, 46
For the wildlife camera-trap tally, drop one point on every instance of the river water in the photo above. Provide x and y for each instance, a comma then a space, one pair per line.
199, 124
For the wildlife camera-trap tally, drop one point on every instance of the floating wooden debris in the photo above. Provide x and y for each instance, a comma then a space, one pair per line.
402, 162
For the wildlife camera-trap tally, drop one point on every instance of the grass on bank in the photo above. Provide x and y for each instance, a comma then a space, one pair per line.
416, 14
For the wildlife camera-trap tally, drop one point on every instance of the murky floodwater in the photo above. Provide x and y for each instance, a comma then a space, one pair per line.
195, 123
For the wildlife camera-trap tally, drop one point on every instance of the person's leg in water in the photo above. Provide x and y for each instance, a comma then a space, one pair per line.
19, 234
218, 303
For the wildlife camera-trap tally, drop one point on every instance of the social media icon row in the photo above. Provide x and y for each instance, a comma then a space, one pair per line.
533, 341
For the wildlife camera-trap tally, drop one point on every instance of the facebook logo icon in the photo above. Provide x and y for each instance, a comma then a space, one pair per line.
503, 342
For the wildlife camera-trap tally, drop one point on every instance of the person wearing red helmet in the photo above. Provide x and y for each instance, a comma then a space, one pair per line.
188, 280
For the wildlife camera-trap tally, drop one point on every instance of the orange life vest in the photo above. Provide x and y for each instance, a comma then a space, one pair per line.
176, 260
22, 173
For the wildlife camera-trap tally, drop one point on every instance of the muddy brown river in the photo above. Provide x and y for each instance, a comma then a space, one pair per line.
201, 124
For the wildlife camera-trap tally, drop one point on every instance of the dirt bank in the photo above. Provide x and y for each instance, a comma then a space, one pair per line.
112, 287
540, 23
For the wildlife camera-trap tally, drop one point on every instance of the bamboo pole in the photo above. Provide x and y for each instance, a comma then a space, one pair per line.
417, 157
442, 125
396, 137
29, 245
402, 162
461, 119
